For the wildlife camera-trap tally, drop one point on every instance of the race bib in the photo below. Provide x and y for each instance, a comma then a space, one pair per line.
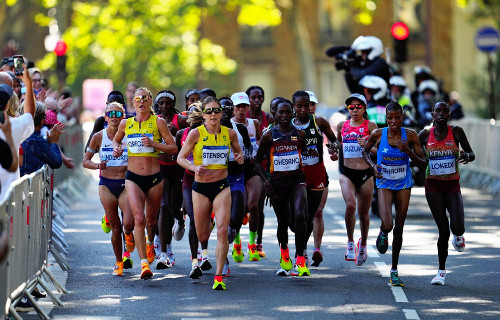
135, 145
310, 160
442, 165
352, 149
215, 155
393, 172
286, 161
107, 155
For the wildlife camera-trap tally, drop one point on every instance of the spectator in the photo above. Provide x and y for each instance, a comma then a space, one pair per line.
428, 95
6, 78
8, 152
129, 93
37, 77
456, 106
7, 64
21, 127
38, 150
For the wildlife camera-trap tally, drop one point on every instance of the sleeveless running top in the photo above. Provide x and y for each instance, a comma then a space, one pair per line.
211, 151
134, 134
285, 153
183, 139
350, 136
314, 140
395, 165
443, 157
106, 151
240, 142
175, 121
264, 122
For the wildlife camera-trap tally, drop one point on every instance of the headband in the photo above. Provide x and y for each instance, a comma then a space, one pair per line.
164, 95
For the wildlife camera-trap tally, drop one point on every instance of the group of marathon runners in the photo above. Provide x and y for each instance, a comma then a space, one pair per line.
221, 160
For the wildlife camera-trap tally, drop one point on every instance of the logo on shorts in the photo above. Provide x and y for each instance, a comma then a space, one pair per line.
365, 177
322, 185
222, 186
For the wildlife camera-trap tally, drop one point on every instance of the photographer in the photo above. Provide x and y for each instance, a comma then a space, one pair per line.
367, 62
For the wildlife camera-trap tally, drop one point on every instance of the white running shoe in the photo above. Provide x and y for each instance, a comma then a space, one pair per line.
163, 262
458, 243
282, 272
361, 256
170, 254
350, 254
226, 271
205, 264
178, 231
196, 272
157, 245
439, 279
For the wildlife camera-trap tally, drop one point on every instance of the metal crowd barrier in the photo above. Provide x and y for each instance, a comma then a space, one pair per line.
484, 172
33, 215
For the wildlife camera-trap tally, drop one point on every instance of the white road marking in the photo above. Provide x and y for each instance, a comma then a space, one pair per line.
398, 294
373, 252
382, 268
411, 314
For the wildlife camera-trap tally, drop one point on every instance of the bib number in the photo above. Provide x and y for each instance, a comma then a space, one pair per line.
135, 144
286, 161
394, 172
442, 165
310, 160
215, 155
352, 149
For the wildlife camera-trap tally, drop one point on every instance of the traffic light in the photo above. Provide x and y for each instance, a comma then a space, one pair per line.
60, 50
400, 32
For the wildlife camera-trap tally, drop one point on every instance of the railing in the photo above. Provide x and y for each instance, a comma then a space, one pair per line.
32, 214
484, 172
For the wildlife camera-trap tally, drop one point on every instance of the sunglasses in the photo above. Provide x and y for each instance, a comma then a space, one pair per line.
114, 114
225, 107
212, 110
355, 106
142, 98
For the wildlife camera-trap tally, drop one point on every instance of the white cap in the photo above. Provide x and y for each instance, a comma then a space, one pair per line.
398, 81
240, 98
367, 43
428, 84
312, 97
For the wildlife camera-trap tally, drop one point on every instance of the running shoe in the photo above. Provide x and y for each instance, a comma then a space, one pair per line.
395, 280
24, 305
350, 254
157, 245
219, 284
300, 269
127, 261
205, 264
245, 218
361, 256
118, 271
226, 271
285, 261
439, 279
238, 255
145, 271
458, 243
170, 254
260, 250
282, 272
163, 262
106, 227
129, 242
196, 272
317, 258
178, 230
150, 252
382, 243
253, 255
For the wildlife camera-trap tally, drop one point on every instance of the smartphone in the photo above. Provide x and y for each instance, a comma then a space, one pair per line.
18, 65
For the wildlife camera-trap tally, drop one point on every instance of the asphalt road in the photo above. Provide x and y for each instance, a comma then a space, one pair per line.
338, 289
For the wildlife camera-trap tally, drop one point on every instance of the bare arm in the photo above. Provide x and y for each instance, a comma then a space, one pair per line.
238, 155
117, 140
29, 100
169, 146
466, 155
265, 144
372, 141
6, 128
94, 145
416, 155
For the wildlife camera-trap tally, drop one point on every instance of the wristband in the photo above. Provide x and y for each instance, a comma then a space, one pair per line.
90, 150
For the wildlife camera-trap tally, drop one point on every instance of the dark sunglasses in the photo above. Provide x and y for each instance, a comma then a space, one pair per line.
226, 107
212, 110
355, 106
114, 114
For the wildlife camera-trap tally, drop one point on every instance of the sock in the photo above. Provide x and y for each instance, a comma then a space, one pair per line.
442, 273
350, 245
253, 235
204, 254
394, 270
194, 262
285, 253
237, 240
316, 249
144, 261
218, 278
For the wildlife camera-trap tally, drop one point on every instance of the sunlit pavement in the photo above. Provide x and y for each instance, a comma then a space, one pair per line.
336, 290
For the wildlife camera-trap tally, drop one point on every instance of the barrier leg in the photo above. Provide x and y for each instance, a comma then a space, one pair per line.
60, 260
58, 245
56, 283
13, 313
53, 297
38, 309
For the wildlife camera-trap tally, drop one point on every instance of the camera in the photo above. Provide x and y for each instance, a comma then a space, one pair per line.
18, 65
344, 56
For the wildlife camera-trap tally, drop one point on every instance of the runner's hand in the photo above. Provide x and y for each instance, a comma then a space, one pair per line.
117, 151
463, 158
146, 141
377, 171
201, 169
239, 158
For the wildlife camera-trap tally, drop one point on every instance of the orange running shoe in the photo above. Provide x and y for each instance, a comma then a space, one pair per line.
118, 271
150, 251
146, 273
130, 242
